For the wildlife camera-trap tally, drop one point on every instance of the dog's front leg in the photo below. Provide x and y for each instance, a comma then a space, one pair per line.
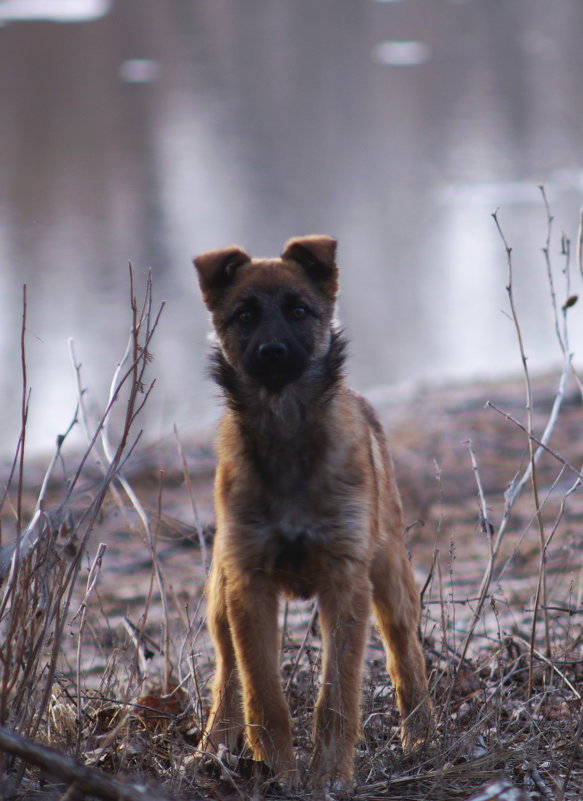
344, 615
252, 609
225, 721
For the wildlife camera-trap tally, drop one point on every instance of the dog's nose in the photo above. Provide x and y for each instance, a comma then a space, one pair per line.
273, 351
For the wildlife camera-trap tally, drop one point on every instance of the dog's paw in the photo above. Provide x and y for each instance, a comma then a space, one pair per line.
418, 731
200, 764
286, 784
328, 786
210, 762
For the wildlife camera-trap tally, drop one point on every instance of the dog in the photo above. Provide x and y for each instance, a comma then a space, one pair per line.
306, 505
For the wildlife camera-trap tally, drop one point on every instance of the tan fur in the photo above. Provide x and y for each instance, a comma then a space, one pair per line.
306, 505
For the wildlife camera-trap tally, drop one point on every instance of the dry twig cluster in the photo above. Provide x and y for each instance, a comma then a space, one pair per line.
503, 647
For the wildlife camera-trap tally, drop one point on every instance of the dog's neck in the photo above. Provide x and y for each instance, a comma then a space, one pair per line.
288, 414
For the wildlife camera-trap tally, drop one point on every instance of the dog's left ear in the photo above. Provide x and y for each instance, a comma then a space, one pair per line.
217, 270
317, 255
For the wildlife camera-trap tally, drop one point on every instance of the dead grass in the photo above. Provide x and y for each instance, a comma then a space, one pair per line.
105, 659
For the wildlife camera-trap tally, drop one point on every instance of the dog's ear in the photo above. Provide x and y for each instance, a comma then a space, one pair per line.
317, 255
217, 269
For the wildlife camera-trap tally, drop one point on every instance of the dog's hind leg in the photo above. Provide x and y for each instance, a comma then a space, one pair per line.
252, 610
396, 605
225, 721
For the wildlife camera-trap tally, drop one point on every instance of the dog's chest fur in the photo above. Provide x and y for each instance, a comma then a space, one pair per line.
296, 500
295, 540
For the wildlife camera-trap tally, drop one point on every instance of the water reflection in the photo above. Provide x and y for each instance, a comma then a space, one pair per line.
401, 54
159, 130
139, 70
53, 10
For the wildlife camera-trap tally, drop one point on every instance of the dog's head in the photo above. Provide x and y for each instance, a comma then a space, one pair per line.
272, 316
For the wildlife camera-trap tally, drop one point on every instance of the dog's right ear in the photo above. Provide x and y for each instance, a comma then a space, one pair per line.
217, 269
317, 255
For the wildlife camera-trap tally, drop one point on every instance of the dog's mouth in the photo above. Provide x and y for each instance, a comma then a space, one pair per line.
275, 364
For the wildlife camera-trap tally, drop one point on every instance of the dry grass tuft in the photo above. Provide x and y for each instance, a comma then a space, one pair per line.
105, 660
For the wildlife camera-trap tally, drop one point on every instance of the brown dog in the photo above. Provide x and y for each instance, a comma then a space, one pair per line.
306, 504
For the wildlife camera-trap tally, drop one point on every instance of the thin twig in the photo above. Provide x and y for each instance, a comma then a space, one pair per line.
561, 335
27, 540
199, 529
166, 627
541, 585
517, 485
574, 754
94, 572
135, 371
24, 417
485, 524
539, 442
302, 646
84, 418
487, 578
551, 665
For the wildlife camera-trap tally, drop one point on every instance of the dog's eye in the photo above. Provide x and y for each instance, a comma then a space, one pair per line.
299, 312
245, 316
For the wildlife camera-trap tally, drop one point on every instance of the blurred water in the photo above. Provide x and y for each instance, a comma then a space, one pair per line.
149, 132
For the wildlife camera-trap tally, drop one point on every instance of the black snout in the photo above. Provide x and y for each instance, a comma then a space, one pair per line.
276, 353
273, 351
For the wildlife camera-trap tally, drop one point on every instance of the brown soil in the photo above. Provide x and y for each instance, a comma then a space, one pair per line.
430, 430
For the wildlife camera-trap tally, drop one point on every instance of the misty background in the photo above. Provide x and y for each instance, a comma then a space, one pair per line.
147, 132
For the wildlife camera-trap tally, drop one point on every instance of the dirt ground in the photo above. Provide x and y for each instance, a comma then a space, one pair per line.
431, 430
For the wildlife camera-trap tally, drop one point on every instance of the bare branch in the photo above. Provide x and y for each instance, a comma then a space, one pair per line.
89, 780
539, 442
197, 524
541, 589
